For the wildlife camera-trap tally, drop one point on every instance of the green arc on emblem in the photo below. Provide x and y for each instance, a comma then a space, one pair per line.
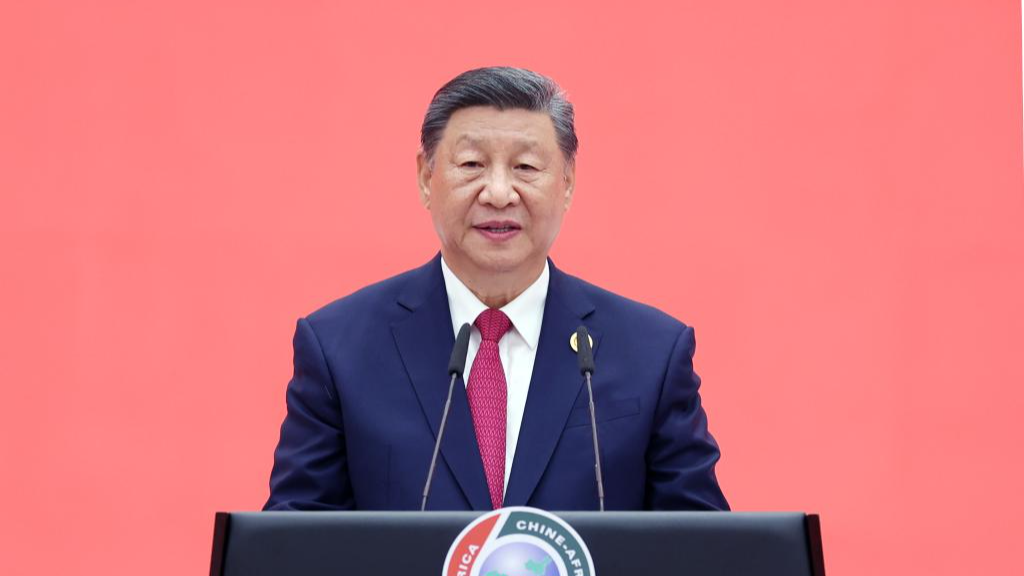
570, 549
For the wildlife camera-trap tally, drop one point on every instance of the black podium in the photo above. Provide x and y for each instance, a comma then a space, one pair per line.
415, 543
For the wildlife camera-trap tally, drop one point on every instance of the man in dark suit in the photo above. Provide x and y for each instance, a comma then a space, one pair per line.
496, 170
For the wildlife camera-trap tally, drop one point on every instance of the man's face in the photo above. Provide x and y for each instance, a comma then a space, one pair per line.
497, 190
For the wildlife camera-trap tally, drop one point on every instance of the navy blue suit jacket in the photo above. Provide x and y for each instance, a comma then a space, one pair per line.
371, 380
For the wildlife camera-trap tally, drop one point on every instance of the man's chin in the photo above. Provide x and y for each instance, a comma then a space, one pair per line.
499, 264
503, 262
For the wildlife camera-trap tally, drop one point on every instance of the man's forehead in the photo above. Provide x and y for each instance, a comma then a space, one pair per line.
479, 126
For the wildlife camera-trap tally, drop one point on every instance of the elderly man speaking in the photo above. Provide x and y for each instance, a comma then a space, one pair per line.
497, 173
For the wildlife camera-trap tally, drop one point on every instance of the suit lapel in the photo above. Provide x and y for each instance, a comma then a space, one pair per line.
554, 386
425, 341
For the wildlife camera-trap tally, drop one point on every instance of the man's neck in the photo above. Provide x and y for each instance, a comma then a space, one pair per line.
496, 289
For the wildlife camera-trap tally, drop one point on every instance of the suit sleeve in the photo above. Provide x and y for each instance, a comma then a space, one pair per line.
681, 455
310, 466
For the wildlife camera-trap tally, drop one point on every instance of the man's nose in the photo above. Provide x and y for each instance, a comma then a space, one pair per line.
499, 190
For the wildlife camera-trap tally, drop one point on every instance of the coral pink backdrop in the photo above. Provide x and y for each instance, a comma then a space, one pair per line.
830, 192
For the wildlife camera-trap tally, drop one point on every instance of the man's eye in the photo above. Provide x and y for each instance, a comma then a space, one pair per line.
471, 165
525, 167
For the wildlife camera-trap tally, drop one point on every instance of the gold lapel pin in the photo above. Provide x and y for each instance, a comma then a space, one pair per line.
575, 345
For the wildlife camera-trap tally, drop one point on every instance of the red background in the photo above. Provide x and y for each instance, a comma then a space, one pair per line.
830, 192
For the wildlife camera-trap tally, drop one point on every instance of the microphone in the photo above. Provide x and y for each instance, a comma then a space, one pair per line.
456, 367
585, 355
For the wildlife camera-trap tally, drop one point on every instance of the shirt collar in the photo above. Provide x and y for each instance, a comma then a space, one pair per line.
526, 311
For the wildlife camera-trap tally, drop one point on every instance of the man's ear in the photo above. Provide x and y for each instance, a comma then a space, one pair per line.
423, 173
570, 183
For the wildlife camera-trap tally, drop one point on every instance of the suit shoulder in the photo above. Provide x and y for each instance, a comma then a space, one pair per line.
626, 311
376, 302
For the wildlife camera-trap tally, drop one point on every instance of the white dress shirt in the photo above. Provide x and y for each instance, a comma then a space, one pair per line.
517, 349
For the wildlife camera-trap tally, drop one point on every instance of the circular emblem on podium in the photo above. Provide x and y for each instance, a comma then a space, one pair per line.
518, 541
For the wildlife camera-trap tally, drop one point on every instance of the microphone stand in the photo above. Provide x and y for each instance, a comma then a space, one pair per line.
597, 450
585, 355
456, 367
437, 445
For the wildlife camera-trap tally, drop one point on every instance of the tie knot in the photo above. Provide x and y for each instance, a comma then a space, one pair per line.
493, 324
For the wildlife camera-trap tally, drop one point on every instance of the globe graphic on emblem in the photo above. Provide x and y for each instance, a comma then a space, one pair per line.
519, 559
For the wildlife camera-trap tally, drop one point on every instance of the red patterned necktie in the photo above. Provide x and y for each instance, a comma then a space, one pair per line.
488, 395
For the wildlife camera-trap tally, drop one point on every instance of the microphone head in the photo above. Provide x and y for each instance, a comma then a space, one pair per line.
457, 363
585, 353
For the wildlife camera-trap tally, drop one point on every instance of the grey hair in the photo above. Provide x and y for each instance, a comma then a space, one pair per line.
503, 88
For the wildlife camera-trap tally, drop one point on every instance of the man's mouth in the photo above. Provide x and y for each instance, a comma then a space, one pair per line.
498, 226
498, 229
